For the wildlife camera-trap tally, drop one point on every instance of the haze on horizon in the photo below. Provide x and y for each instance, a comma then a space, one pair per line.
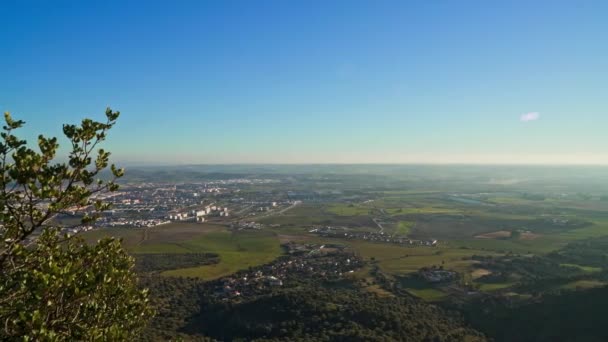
517, 82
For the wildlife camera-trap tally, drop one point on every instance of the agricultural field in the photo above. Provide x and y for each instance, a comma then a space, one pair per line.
236, 250
349, 209
399, 260
583, 284
404, 227
313, 214
480, 246
467, 219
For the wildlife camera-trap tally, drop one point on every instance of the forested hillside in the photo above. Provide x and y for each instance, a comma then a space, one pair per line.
571, 316
307, 312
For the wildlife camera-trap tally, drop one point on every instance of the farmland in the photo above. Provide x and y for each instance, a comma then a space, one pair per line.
236, 250
454, 243
465, 226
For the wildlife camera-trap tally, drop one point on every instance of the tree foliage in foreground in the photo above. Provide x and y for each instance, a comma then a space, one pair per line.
53, 286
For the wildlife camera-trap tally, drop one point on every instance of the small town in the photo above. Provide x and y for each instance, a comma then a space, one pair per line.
308, 262
380, 237
148, 204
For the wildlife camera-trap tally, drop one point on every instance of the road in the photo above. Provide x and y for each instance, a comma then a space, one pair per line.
271, 213
240, 212
379, 225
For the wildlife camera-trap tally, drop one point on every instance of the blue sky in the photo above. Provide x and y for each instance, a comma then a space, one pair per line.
316, 81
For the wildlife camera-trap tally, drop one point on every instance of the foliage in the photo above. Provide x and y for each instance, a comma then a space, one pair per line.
515, 234
532, 273
53, 286
590, 252
320, 314
175, 299
569, 316
72, 291
308, 312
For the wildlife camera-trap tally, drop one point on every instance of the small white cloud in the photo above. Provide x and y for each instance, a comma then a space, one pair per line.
532, 116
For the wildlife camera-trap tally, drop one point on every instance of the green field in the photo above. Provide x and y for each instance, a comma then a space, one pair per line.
429, 294
541, 245
489, 287
312, 214
399, 260
423, 210
421, 215
589, 269
237, 250
348, 209
404, 227
583, 284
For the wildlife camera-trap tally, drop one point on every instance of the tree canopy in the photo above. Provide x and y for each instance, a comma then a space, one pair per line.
54, 286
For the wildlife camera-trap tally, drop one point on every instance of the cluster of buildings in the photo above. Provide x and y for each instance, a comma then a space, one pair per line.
242, 181
148, 204
199, 215
135, 223
267, 208
309, 262
345, 233
75, 230
560, 221
437, 275
213, 190
247, 225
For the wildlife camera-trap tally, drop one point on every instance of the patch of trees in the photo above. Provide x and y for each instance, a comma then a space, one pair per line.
175, 300
310, 311
321, 314
524, 268
515, 234
569, 316
590, 252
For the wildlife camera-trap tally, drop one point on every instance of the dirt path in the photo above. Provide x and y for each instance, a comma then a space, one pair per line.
144, 236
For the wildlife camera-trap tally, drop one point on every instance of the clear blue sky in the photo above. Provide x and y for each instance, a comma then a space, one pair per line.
316, 81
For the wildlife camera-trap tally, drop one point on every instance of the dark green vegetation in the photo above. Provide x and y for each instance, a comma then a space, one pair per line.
303, 309
320, 314
569, 316
591, 252
54, 287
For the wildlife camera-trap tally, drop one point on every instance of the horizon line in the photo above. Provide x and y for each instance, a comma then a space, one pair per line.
360, 164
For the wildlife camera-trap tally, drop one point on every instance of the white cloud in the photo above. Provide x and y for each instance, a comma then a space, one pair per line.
532, 116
